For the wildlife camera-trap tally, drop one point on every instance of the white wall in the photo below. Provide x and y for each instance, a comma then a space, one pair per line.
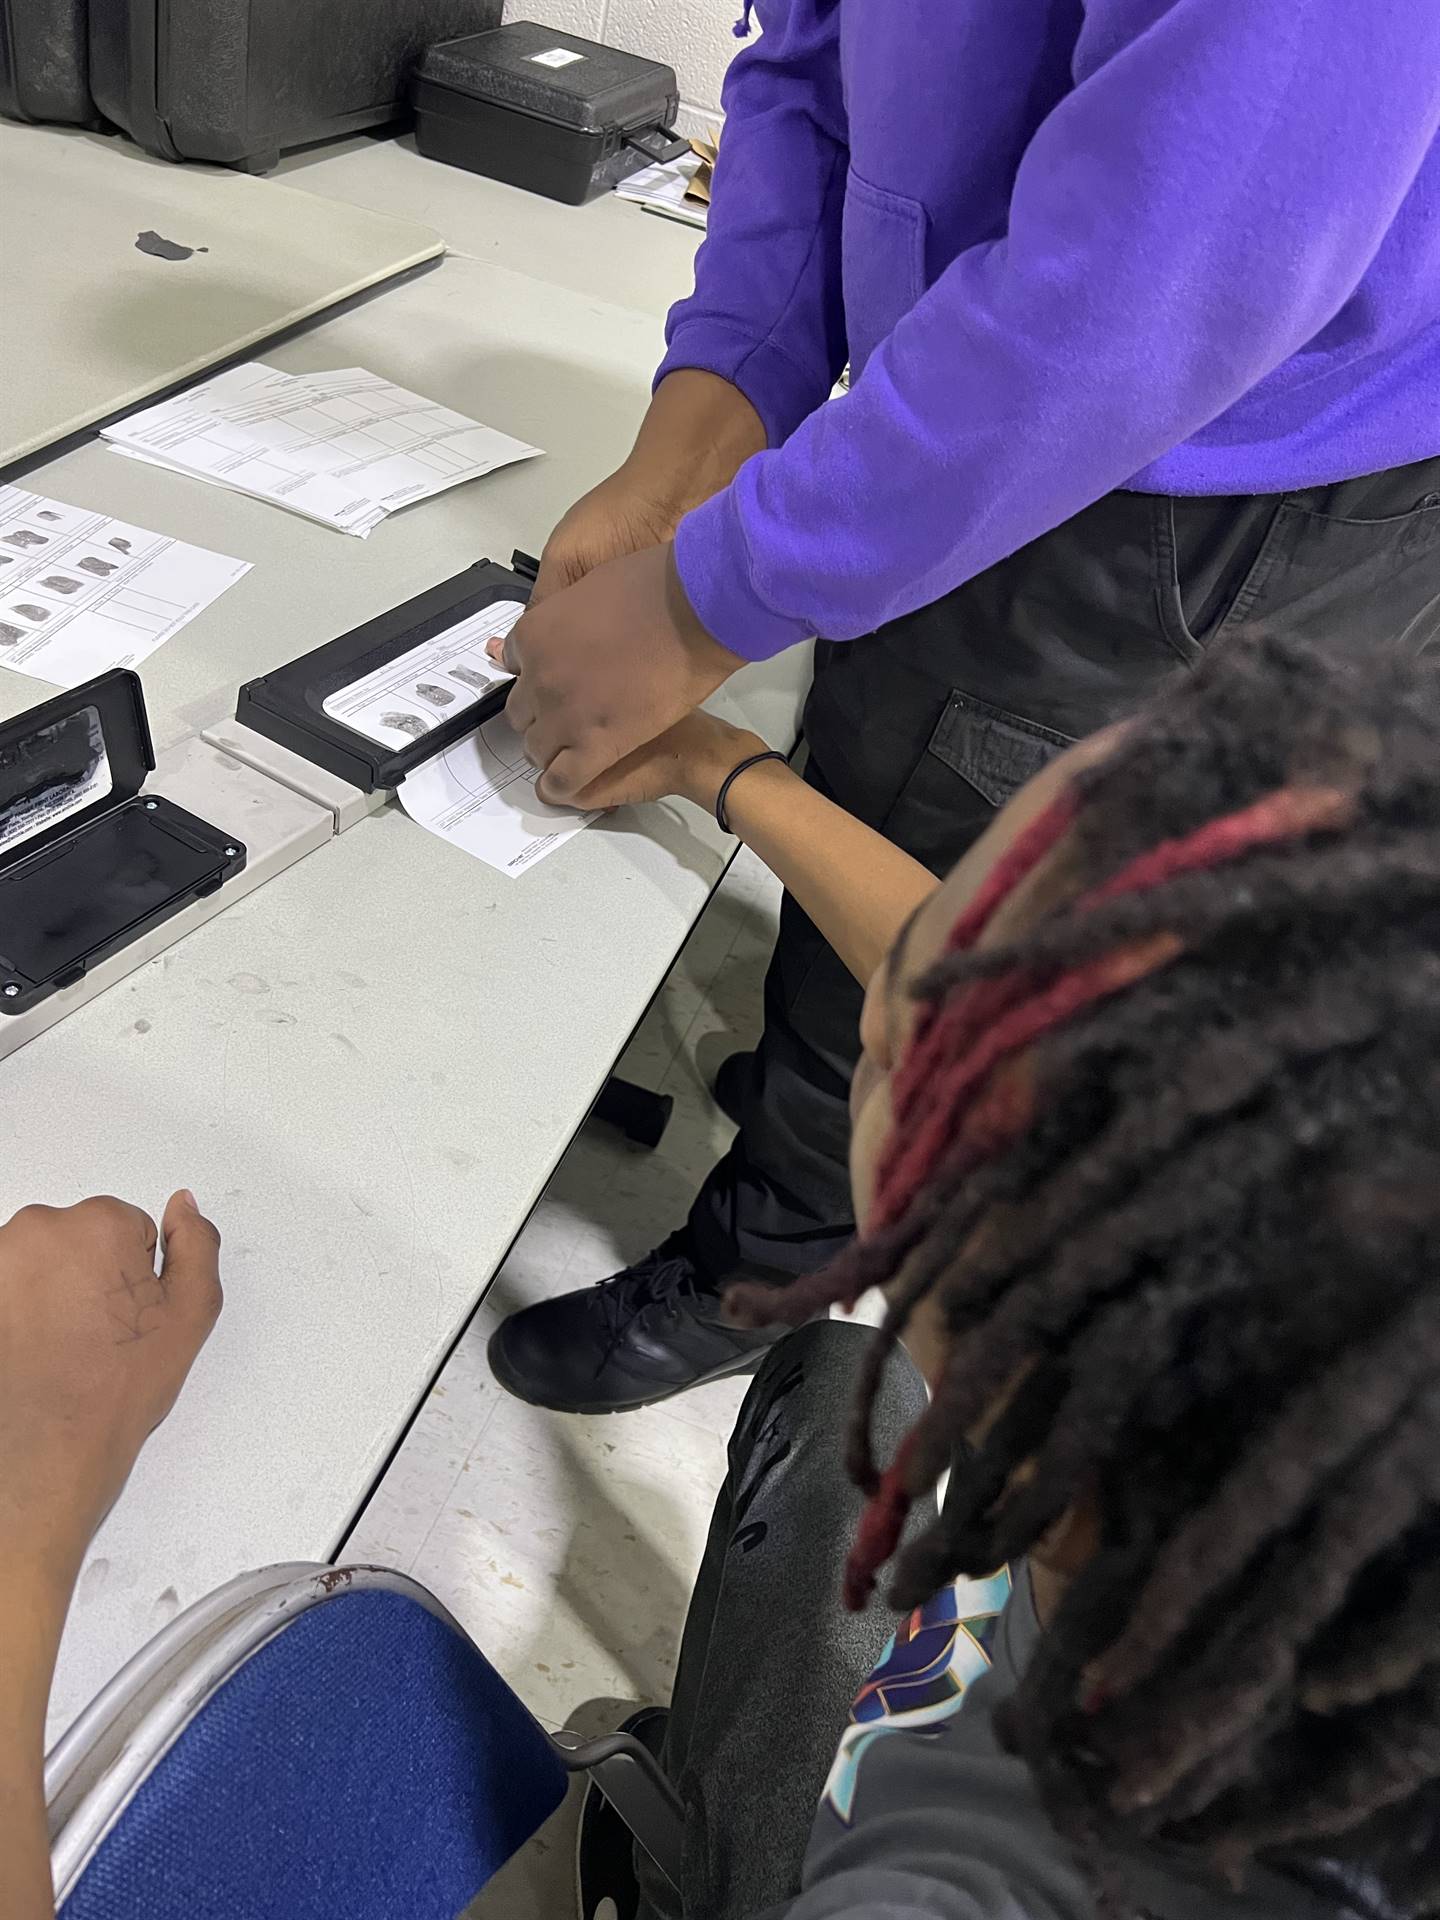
693, 36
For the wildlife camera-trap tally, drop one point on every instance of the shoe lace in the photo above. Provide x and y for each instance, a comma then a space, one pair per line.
658, 1280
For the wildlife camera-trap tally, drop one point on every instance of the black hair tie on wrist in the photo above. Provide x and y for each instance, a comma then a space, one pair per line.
721, 819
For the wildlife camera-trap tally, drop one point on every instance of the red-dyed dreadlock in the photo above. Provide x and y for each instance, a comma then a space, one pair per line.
1018, 1009
961, 1045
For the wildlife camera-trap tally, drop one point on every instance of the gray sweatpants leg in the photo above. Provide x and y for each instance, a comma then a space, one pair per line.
770, 1661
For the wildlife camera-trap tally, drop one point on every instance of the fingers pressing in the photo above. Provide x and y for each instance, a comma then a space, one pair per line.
566, 777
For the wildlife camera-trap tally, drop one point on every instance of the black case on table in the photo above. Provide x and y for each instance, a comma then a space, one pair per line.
79, 885
237, 81
288, 706
45, 61
544, 110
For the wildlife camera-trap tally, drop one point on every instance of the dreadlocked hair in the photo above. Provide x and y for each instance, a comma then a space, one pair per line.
1168, 1164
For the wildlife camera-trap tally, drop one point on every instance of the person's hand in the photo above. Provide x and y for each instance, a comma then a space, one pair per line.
697, 434
95, 1343
605, 667
693, 759
622, 515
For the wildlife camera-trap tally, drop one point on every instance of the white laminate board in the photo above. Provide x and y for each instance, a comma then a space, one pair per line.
606, 249
89, 324
345, 804
565, 372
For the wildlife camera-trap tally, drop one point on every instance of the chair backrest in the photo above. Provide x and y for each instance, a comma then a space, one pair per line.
328, 1742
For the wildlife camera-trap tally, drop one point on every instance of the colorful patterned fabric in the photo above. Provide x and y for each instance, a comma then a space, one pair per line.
922, 1676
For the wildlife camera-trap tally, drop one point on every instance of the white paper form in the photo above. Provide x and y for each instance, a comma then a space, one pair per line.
81, 593
480, 795
344, 448
434, 681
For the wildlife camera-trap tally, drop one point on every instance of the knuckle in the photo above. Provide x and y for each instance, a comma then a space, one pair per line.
32, 1218
105, 1210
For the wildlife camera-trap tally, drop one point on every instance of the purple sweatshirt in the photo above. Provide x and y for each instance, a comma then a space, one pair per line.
1183, 246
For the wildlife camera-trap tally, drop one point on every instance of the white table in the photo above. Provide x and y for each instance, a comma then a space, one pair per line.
368, 1069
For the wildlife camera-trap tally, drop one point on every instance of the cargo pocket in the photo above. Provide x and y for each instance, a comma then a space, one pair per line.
882, 255
997, 752
979, 756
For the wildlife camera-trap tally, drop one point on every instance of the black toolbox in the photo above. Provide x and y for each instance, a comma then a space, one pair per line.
545, 110
237, 81
45, 61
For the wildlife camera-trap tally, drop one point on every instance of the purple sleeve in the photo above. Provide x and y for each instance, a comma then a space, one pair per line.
767, 312
1192, 214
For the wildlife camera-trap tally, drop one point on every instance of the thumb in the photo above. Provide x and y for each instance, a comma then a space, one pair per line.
190, 1271
505, 649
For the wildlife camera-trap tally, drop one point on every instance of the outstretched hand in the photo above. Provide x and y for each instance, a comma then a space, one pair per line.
605, 667
97, 1335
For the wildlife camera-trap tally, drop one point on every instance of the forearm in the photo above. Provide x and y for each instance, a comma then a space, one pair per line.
32, 1614
855, 885
698, 432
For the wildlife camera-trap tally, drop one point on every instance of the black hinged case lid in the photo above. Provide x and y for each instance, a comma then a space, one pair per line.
86, 863
425, 707
554, 76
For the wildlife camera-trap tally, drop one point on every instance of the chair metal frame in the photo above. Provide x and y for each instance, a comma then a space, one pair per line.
95, 1770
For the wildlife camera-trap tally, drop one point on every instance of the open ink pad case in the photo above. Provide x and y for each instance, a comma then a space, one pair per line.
89, 863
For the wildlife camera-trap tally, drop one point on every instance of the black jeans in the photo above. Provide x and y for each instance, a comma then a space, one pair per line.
925, 728
770, 1662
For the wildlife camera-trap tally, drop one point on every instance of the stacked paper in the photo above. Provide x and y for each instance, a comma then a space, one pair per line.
663, 189
343, 448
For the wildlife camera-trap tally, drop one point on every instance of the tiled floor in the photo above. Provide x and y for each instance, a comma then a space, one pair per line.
567, 1547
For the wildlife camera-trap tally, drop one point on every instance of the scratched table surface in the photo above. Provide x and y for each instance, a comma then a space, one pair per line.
368, 1069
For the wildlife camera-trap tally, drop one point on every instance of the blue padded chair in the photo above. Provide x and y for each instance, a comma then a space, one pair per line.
309, 1742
